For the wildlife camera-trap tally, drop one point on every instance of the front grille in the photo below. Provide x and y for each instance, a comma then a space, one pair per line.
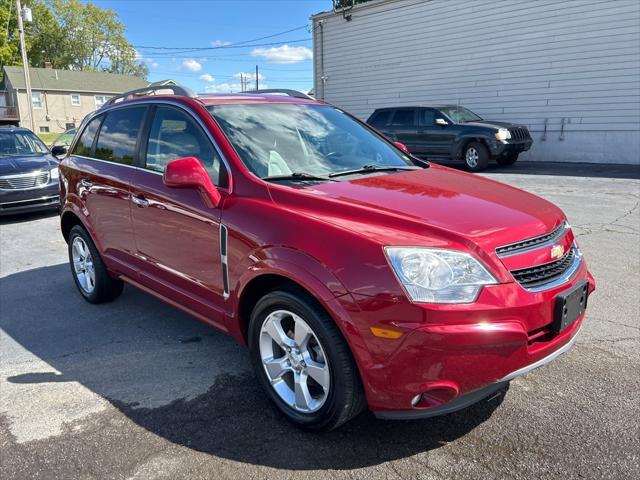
532, 277
519, 133
552, 236
23, 182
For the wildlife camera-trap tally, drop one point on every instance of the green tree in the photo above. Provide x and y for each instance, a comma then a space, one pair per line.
70, 35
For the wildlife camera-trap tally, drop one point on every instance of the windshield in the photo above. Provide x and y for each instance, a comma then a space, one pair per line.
20, 143
275, 139
460, 114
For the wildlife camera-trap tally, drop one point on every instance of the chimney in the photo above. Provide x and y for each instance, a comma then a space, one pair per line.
48, 65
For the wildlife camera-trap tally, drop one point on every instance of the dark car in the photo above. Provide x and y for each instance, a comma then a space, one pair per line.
452, 132
28, 172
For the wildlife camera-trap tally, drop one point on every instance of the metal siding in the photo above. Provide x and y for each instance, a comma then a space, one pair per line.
516, 60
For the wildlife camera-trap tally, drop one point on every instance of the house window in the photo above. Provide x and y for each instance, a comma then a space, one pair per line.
44, 129
101, 100
36, 99
75, 100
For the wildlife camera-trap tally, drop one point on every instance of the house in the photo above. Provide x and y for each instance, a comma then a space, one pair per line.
568, 70
60, 98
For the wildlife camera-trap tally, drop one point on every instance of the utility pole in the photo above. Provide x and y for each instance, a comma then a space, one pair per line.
257, 87
25, 65
241, 82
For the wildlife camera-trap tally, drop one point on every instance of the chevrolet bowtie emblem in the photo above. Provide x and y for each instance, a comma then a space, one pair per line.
557, 251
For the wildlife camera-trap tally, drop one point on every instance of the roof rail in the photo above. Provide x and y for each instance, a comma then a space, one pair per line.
150, 90
283, 91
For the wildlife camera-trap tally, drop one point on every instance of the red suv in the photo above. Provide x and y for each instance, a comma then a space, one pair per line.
358, 276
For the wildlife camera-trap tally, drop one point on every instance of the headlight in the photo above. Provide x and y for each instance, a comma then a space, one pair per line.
54, 173
435, 275
503, 134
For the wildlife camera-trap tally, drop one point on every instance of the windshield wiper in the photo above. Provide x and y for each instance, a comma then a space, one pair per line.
372, 168
299, 176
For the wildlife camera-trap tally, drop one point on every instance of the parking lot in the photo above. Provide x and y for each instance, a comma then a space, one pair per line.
136, 389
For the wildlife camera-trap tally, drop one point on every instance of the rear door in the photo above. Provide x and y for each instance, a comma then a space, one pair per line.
178, 238
102, 163
403, 127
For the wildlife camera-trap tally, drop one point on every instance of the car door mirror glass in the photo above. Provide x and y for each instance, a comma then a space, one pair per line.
189, 172
441, 121
59, 151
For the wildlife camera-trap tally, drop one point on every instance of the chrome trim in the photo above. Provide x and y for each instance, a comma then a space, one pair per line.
565, 277
29, 200
561, 233
543, 361
27, 175
224, 247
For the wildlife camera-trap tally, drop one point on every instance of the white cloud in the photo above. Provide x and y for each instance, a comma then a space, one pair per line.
220, 43
283, 54
154, 64
191, 65
226, 88
249, 76
207, 77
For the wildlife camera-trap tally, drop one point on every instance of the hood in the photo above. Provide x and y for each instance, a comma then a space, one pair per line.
418, 205
493, 124
16, 164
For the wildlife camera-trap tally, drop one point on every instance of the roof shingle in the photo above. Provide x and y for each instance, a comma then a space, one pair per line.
73, 80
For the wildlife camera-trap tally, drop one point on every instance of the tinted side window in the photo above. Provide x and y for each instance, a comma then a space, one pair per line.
403, 118
427, 117
85, 142
118, 135
380, 119
174, 134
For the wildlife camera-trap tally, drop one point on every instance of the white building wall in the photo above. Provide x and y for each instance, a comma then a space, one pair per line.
539, 63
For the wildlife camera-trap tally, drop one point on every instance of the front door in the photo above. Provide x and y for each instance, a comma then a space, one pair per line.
177, 234
435, 141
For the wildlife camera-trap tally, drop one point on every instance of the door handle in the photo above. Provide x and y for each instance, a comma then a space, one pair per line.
84, 183
139, 201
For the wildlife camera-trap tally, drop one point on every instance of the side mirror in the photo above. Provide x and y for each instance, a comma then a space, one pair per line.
188, 172
59, 151
442, 122
401, 146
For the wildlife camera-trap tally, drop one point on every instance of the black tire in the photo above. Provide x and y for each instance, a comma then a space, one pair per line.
345, 398
105, 288
508, 160
475, 156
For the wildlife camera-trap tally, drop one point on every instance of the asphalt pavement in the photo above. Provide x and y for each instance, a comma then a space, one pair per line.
135, 389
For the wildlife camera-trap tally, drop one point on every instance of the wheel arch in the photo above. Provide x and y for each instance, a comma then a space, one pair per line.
465, 141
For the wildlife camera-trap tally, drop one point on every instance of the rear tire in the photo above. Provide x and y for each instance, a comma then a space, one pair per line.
88, 270
508, 160
307, 346
476, 156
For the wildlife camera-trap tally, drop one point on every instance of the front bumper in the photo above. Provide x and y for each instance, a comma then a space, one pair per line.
468, 399
22, 201
454, 355
501, 149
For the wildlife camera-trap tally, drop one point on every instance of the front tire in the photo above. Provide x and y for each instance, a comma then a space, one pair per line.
476, 156
303, 362
89, 272
508, 160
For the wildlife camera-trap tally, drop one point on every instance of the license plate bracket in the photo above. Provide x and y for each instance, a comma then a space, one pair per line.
570, 306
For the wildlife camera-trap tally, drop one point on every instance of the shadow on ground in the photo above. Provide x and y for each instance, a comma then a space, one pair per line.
9, 219
595, 170
137, 348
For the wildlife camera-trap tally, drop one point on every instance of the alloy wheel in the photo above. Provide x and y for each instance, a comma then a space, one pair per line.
471, 157
83, 265
294, 361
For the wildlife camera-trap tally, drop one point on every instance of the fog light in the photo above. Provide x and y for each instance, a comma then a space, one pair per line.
435, 394
415, 400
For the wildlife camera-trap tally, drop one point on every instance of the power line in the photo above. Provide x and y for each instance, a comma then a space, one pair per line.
194, 51
233, 45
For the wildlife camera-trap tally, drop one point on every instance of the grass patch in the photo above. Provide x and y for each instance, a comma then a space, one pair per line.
48, 138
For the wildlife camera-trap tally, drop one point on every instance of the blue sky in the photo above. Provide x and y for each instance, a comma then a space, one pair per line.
167, 34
